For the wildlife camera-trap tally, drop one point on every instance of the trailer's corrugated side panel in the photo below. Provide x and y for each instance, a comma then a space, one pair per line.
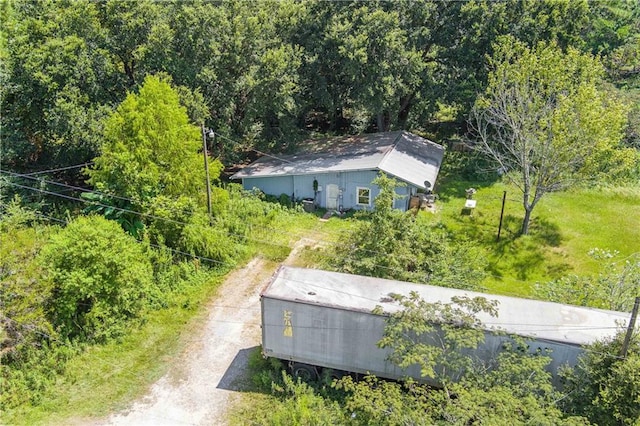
347, 340
324, 336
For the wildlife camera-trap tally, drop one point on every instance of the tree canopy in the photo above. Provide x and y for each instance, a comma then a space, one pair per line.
546, 121
271, 73
150, 148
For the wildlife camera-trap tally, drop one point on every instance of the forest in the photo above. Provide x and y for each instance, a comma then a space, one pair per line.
104, 225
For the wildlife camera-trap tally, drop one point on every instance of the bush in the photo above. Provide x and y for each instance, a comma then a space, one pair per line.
604, 387
101, 278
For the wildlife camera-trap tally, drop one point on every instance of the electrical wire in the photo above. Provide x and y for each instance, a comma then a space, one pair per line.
59, 169
146, 215
89, 191
133, 212
392, 269
388, 268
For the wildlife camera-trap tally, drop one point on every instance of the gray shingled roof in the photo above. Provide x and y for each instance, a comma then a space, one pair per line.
525, 317
401, 154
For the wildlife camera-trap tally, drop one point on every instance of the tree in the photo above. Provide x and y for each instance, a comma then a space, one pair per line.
440, 338
396, 245
151, 169
604, 387
150, 148
55, 87
435, 336
545, 122
237, 54
100, 277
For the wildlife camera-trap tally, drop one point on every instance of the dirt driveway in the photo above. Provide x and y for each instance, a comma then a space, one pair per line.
203, 383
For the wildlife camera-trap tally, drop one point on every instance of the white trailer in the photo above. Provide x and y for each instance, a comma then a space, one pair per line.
315, 319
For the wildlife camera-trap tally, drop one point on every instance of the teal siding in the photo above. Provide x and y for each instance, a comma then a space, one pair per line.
301, 186
275, 185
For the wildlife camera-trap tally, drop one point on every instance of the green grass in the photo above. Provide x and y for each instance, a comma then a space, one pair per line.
564, 227
105, 378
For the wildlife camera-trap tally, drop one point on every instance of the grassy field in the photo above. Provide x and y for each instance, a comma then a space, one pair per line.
564, 227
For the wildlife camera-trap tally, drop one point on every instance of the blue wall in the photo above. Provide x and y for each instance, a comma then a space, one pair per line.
302, 187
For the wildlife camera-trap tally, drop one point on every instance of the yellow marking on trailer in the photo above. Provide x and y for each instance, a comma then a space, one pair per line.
288, 329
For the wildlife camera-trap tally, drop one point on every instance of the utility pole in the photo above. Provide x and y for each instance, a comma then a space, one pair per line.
632, 325
206, 169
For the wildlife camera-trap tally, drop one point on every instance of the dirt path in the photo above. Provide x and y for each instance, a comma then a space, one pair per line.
198, 389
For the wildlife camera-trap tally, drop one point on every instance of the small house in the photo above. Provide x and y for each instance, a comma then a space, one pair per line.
337, 173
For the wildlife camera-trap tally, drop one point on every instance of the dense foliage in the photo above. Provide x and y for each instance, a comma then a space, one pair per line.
266, 73
107, 98
389, 243
605, 387
100, 279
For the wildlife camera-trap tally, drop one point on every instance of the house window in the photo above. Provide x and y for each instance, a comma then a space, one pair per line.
364, 196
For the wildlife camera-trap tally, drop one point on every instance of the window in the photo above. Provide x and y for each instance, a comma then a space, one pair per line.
364, 196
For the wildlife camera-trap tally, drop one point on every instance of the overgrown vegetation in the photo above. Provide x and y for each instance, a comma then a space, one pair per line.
109, 250
389, 243
78, 296
515, 388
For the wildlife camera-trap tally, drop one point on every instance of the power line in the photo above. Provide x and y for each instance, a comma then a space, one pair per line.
146, 215
104, 194
393, 269
139, 213
388, 268
202, 258
59, 169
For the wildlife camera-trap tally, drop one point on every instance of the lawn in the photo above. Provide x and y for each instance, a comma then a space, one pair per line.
565, 227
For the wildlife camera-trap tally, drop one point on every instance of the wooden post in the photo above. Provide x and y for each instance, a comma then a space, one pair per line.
632, 325
206, 169
504, 198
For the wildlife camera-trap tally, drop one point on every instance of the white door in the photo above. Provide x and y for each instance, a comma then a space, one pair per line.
332, 197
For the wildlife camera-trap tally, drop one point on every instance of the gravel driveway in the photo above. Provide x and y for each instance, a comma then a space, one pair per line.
198, 389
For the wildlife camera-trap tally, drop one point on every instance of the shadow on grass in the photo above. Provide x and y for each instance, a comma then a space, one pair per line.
525, 255
545, 232
456, 189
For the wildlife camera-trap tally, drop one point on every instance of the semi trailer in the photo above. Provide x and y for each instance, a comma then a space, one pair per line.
315, 320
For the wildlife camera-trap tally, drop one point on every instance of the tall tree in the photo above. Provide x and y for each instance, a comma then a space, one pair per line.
546, 122
238, 55
150, 148
55, 87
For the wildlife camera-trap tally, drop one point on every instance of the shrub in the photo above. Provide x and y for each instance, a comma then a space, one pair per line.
101, 278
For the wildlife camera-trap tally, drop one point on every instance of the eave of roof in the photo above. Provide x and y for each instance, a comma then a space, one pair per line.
400, 154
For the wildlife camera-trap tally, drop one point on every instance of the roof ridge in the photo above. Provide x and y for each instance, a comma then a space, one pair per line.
391, 148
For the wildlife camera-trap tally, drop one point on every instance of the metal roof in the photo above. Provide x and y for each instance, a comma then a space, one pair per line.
401, 154
525, 317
